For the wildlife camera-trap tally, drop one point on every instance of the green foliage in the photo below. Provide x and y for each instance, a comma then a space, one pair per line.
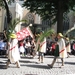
47, 9
2, 2
51, 9
12, 26
44, 8
10, 1
46, 34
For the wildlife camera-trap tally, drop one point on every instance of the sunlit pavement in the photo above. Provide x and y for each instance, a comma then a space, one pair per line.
31, 66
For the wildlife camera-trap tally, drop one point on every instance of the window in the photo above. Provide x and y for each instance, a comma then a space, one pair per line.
46, 24
65, 22
30, 18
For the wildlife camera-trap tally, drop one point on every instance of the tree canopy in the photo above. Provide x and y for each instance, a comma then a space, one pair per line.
4, 4
51, 9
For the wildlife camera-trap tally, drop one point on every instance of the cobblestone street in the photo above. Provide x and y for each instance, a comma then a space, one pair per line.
31, 66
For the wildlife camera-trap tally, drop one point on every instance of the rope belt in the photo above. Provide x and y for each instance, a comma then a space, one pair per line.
12, 47
64, 49
42, 44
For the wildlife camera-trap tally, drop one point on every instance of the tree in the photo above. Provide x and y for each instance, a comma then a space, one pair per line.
4, 4
51, 9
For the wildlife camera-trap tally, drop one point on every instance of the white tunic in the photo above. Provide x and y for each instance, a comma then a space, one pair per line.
13, 52
43, 46
68, 47
62, 48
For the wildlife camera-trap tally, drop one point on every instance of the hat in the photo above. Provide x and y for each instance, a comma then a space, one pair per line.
60, 34
67, 39
13, 36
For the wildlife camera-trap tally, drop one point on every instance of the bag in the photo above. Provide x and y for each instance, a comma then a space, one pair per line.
56, 52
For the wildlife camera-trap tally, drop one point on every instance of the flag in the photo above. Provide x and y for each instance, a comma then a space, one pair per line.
24, 33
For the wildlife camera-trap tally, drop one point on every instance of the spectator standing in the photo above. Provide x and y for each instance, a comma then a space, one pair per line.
53, 48
27, 47
73, 48
48, 48
33, 47
21, 47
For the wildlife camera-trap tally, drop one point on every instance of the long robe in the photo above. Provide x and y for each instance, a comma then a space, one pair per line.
43, 46
68, 47
13, 51
62, 48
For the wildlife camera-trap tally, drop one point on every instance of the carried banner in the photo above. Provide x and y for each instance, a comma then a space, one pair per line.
24, 33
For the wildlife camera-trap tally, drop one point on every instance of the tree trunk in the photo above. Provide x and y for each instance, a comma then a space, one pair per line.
7, 12
9, 18
60, 17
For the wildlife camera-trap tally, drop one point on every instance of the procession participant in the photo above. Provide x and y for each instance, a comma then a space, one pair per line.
62, 50
13, 51
42, 50
68, 46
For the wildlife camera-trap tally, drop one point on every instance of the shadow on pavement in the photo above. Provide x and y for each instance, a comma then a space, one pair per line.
71, 63
24, 57
3, 56
48, 56
2, 66
38, 66
25, 61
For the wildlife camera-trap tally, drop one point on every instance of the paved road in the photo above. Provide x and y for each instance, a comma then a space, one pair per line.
31, 66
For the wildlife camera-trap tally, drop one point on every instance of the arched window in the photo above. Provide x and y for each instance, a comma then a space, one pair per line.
30, 18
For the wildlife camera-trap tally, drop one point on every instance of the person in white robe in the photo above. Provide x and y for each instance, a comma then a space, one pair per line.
68, 46
42, 50
62, 50
13, 51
